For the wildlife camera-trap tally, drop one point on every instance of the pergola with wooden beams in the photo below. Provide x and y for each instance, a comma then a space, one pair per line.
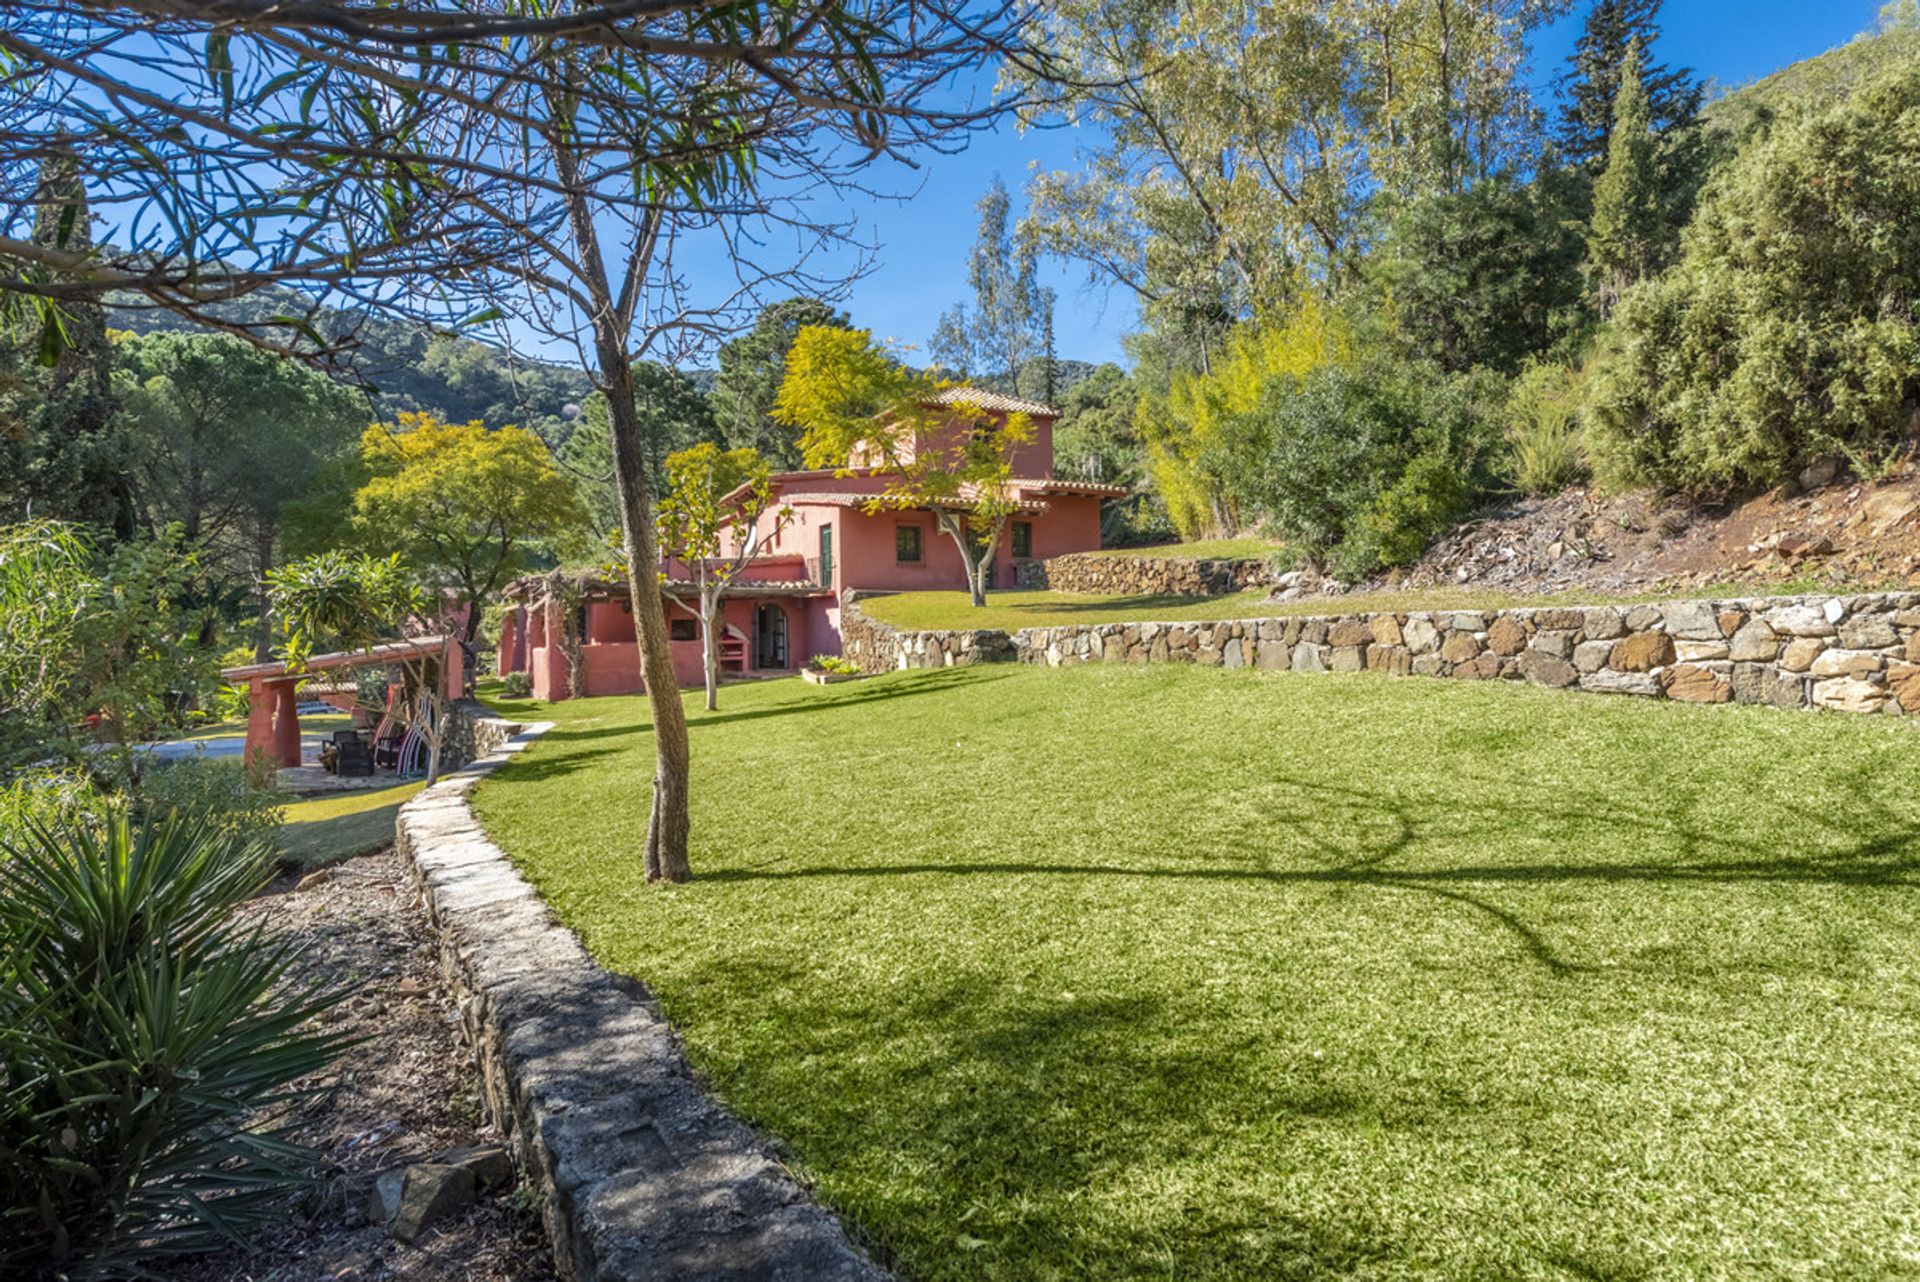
273, 718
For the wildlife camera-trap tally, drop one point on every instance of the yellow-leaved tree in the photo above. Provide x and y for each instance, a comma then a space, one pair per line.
858, 407
464, 505
1204, 431
710, 519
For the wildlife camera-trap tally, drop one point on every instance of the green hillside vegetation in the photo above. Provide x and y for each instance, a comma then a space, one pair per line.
1815, 82
408, 370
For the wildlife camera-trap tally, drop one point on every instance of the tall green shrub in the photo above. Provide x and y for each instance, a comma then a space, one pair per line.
1787, 331
146, 1037
1367, 463
1624, 233
1545, 453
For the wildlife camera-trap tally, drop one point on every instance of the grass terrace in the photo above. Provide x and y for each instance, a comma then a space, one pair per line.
1202, 550
1118, 972
324, 830
1011, 611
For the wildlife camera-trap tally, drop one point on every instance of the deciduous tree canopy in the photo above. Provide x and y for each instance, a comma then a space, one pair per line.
462, 504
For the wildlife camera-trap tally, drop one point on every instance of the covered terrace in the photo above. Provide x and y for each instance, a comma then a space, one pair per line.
573, 634
273, 689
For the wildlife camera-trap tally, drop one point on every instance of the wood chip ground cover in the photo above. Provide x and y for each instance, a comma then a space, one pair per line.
408, 1092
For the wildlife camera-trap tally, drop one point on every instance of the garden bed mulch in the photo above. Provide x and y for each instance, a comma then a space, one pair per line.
406, 1093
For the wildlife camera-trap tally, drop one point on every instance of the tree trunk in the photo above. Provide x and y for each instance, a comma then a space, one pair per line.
666, 850
710, 646
976, 567
435, 737
666, 854
263, 566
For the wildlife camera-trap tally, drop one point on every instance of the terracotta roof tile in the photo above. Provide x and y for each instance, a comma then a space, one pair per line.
1060, 485
995, 402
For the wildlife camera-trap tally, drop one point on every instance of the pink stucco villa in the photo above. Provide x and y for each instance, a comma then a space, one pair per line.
785, 608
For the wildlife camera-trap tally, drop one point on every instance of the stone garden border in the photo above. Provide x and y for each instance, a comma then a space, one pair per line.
639, 1172
1858, 653
1145, 574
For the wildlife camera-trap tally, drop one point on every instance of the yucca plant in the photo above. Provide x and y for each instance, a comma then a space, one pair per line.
147, 1038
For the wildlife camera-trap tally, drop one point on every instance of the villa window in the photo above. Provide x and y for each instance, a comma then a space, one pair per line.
683, 629
906, 543
1023, 538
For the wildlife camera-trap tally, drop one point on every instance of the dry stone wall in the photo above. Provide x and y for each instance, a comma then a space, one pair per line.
638, 1172
1144, 575
1844, 653
473, 731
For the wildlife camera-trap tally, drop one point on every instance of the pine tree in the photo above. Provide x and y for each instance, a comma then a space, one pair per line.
1626, 229
1012, 314
1049, 389
751, 367
1613, 28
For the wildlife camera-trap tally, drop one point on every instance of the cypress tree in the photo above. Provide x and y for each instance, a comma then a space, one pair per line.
61, 451
1625, 231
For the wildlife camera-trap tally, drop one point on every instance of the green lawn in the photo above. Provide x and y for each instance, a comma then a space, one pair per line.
316, 723
1011, 611
1159, 972
1203, 549
325, 830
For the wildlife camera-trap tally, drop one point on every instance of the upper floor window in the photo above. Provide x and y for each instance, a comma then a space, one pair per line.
906, 543
1023, 538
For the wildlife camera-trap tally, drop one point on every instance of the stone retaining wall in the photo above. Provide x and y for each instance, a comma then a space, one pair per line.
1846, 653
473, 730
639, 1173
1143, 575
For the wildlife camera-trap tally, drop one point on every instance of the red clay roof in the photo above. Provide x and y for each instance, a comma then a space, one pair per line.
995, 402
827, 498
1058, 485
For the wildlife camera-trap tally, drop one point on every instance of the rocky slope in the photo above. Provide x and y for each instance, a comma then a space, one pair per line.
1831, 534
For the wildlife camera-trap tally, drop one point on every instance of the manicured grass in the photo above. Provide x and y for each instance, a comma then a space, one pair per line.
1123, 972
316, 723
1011, 611
1202, 549
325, 830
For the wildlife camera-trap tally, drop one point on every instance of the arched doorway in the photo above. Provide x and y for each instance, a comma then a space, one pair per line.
770, 637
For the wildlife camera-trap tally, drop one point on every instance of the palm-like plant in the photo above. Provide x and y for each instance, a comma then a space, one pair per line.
146, 1039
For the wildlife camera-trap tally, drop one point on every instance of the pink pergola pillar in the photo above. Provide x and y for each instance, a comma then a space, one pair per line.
513, 642
453, 669
552, 681
259, 719
286, 724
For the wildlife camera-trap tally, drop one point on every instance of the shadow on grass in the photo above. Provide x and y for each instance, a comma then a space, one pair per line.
529, 767
813, 699
1874, 847
857, 694
1020, 1115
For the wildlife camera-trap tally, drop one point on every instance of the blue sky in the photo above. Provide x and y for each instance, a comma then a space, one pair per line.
924, 241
